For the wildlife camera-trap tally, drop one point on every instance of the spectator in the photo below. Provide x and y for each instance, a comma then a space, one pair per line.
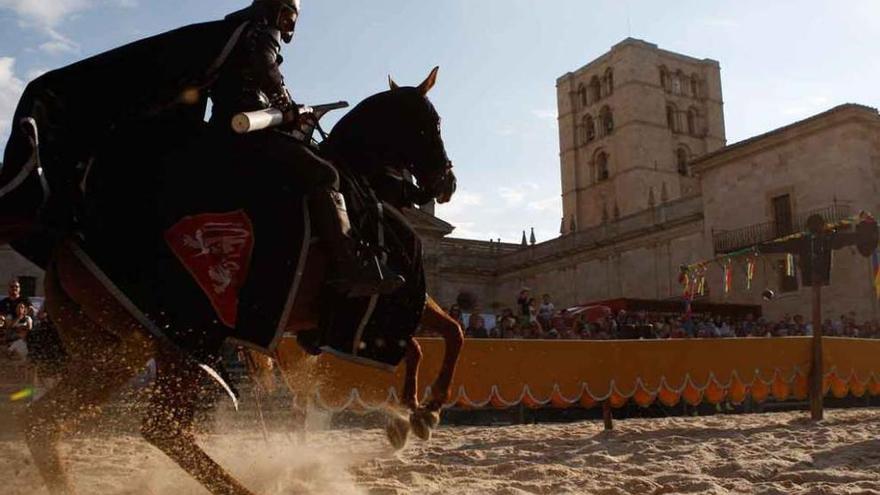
726, 330
522, 301
508, 328
455, 313
477, 328
19, 322
546, 311
9, 304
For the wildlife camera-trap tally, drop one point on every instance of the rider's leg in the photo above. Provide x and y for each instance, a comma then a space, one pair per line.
353, 269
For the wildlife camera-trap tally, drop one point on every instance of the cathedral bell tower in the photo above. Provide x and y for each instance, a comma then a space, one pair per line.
630, 122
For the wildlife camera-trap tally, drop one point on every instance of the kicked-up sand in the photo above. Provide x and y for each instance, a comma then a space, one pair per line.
780, 453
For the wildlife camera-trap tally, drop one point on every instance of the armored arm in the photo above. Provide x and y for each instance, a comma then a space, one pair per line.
265, 60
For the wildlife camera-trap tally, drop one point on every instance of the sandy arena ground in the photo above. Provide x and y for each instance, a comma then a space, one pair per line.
766, 454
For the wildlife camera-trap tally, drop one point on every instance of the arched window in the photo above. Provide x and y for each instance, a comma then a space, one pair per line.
582, 96
681, 160
671, 117
692, 121
664, 78
606, 119
595, 90
677, 81
609, 81
589, 128
695, 86
602, 172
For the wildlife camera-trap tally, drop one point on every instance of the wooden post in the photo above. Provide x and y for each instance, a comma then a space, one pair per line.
817, 373
606, 415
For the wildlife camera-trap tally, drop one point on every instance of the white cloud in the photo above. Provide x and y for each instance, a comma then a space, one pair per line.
59, 43
45, 13
11, 88
805, 107
548, 114
512, 195
503, 212
553, 204
517, 194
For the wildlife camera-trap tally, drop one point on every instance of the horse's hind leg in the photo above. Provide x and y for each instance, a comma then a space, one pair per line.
88, 381
169, 421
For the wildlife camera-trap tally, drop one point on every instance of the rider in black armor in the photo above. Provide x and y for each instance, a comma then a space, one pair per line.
251, 80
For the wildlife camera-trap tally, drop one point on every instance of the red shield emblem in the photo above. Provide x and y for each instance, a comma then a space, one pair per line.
216, 250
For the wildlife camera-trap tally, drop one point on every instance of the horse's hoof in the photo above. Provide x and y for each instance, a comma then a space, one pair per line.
397, 431
423, 423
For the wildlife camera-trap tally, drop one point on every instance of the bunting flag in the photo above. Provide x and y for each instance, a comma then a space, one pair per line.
875, 264
728, 275
701, 281
684, 278
750, 272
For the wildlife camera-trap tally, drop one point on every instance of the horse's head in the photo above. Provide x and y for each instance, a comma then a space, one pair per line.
397, 131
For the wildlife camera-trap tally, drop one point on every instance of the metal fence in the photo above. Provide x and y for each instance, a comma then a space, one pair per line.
733, 240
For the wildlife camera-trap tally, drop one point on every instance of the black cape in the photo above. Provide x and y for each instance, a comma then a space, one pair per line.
66, 116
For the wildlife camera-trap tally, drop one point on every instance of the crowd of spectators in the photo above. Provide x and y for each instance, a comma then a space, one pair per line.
533, 320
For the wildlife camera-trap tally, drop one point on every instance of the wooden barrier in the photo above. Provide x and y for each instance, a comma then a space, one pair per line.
505, 373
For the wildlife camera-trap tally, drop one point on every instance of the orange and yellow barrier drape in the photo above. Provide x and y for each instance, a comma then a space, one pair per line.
504, 373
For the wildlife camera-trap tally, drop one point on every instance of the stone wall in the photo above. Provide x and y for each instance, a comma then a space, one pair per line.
829, 160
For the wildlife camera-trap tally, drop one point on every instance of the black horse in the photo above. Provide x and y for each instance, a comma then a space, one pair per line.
120, 294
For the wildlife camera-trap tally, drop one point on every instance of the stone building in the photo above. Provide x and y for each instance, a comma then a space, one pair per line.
648, 184
629, 123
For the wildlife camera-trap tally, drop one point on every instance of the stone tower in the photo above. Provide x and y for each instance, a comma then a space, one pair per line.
629, 124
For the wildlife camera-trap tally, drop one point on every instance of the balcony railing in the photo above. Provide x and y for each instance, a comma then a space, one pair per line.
733, 240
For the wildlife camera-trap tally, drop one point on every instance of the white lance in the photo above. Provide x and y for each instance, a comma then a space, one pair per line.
246, 122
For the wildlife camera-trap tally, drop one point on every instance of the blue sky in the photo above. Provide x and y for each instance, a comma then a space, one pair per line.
781, 61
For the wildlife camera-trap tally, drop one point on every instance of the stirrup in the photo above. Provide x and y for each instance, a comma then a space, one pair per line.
359, 283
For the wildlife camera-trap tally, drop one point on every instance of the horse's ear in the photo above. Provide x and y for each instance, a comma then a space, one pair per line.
392, 84
429, 82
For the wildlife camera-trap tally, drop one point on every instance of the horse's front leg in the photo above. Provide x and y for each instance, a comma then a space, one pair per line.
169, 420
453, 338
424, 419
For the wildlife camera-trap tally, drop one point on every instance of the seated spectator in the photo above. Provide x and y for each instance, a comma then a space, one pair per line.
706, 329
20, 321
477, 328
507, 328
689, 326
726, 329
455, 313
9, 303
532, 330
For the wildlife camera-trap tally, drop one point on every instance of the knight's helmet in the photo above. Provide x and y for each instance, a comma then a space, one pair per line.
283, 14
